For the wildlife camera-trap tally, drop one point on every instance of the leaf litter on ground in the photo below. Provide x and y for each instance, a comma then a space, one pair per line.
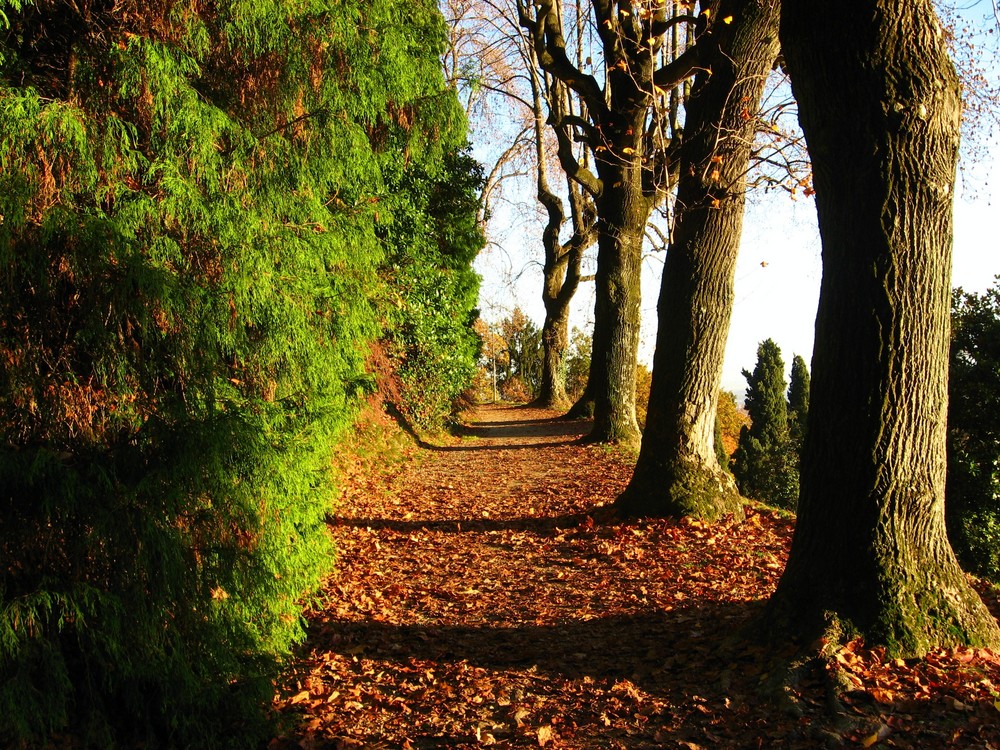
477, 602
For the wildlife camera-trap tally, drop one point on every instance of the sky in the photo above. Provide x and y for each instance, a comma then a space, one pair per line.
777, 276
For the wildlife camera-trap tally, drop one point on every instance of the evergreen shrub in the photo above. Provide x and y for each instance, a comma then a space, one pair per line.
189, 196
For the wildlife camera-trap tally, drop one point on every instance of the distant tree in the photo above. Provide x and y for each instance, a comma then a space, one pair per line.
623, 86
972, 509
496, 69
880, 105
731, 420
494, 359
577, 363
764, 463
511, 356
798, 402
524, 346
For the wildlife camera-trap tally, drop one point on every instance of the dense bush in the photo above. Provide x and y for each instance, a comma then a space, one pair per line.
432, 238
189, 195
973, 493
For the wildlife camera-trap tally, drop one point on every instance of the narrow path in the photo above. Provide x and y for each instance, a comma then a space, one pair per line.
476, 603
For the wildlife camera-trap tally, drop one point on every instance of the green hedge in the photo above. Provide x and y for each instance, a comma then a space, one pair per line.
190, 280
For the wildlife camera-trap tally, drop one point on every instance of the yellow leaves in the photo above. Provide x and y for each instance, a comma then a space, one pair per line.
545, 735
220, 594
872, 739
727, 20
627, 150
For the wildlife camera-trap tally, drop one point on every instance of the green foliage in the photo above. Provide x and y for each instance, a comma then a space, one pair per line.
798, 402
512, 351
432, 237
578, 363
973, 493
189, 196
765, 463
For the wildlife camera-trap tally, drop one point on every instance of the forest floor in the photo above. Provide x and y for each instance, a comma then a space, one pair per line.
477, 602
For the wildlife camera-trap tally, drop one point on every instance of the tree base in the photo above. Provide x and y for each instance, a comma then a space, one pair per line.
627, 440
908, 618
685, 488
552, 404
582, 409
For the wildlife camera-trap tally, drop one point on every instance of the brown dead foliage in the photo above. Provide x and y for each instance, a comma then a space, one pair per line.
478, 603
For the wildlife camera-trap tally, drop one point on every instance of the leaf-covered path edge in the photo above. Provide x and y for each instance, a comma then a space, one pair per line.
476, 602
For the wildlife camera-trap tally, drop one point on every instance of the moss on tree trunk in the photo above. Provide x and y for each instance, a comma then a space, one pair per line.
678, 473
880, 107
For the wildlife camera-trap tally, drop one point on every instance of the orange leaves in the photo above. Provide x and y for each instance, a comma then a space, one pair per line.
483, 598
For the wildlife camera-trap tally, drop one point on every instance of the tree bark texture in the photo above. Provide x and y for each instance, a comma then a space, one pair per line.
678, 473
880, 107
625, 130
623, 211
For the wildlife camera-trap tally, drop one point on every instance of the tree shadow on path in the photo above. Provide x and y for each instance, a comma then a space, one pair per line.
670, 653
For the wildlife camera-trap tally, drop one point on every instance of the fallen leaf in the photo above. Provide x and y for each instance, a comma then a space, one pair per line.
545, 735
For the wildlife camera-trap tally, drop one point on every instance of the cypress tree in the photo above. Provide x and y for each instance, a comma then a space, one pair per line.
189, 196
798, 402
764, 463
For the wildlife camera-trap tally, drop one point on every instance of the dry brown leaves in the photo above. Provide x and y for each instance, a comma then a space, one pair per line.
477, 603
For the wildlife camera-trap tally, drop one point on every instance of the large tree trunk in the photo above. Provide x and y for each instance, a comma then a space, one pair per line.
623, 211
561, 278
678, 473
880, 107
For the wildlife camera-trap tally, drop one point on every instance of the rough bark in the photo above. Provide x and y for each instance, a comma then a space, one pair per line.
880, 107
677, 473
561, 278
623, 211
561, 267
624, 128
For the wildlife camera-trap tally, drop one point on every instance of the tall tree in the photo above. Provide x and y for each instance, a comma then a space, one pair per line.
561, 269
765, 463
880, 106
678, 472
798, 402
497, 66
628, 129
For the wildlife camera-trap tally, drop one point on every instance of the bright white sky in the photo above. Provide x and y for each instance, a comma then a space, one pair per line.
777, 300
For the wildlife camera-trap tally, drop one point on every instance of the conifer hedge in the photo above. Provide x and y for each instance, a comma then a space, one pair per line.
190, 267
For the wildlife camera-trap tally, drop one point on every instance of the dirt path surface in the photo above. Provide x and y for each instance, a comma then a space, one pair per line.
477, 603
